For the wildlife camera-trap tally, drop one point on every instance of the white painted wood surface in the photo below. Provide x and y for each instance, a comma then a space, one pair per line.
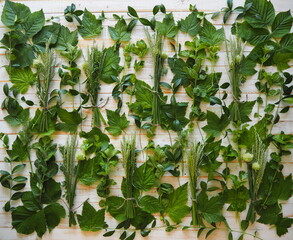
180, 9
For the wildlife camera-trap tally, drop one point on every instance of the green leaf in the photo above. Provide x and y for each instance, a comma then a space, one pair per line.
144, 178
132, 11
66, 37
237, 198
260, 14
21, 78
210, 35
90, 26
190, 25
211, 209
117, 207
177, 208
90, 219
14, 13
215, 124
282, 24
53, 213
116, 122
110, 65
269, 215
51, 191
70, 120
24, 55
283, 224
150, 204
167, 27
47, 32
287, 42
18, 151
34, 23
88, 170
120, 32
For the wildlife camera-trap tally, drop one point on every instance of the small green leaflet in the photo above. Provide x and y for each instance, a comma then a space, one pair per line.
260, 14
90, 25
210, 35
215, 124
116, 122
177, 208
70, 120
190, 25
21, 78
90, 219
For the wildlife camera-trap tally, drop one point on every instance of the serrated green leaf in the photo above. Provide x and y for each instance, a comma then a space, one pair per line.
150, 204
22, 78
282, 24
190, 25
90, 26
215, 124
116, 122
34, 23
144, 178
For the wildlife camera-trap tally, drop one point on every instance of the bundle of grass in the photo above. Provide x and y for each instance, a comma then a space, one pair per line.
70, 171
128, 148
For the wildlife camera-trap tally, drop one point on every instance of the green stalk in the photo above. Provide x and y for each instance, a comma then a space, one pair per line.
128, 148
194, 159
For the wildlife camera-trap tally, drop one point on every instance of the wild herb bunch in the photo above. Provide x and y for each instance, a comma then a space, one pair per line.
128, 147
156, 46
92, 68
194, 159
234, 50
70, 171
45, 71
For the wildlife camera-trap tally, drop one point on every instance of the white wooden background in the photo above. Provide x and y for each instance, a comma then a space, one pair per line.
144, 8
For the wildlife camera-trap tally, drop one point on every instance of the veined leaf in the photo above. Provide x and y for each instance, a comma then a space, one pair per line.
190, 25
144, 178
282, 24
34, 23
215, 124
211, 35
116, 123
91, 26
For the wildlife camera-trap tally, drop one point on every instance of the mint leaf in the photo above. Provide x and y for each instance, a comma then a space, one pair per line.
260, 14
144, 178
70, 120
66, 37
190, 25
215, 124
282, 24
177, 208
150, 204
90, 219
21, 78
90, 26
14, 13
34, 23
116, 122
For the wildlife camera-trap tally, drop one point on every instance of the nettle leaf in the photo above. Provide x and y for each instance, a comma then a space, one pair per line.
110, 66
116, 122
14, 13
90, 219
70, 120
90, 26
282, 24
260, 14
66, 37
150, 204
211, 35
210, 209
177, 208
34, 23
167, 27
190, 25
144, 178
215, 124
22, 78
